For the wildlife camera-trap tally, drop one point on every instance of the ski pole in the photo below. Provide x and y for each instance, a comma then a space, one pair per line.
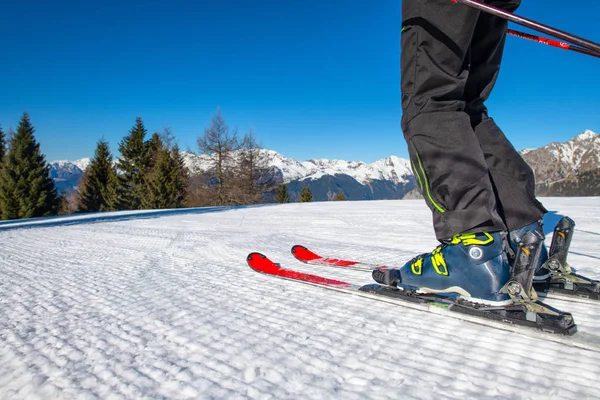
550, 42
587, 44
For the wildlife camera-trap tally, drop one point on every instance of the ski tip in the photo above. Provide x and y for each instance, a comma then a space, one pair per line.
303, 254
254, 255
296, 248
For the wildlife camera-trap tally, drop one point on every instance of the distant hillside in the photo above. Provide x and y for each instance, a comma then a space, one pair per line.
67, 174
562, 169
388, 178
567, 169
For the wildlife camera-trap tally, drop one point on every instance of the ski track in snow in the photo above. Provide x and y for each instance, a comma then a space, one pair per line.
165, 306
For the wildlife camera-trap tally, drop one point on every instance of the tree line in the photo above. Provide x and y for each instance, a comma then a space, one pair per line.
150, 174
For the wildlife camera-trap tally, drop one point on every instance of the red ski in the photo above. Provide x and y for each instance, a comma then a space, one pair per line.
307, 256
260, 263
512, 317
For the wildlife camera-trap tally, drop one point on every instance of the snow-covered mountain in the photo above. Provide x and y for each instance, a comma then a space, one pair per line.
557, 161
64, 168
67, 174
388, 178
569, 168
393, 168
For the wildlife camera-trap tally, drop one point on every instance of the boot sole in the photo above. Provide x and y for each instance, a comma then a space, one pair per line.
463, 294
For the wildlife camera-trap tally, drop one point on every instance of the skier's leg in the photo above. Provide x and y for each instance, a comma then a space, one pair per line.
444, 150
512, 177
447, 158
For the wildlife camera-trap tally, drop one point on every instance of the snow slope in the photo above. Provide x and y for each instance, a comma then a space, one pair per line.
162, 305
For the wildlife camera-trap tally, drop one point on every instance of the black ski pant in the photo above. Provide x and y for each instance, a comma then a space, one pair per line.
470, 175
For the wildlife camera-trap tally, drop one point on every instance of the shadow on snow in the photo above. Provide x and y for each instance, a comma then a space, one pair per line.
113, 216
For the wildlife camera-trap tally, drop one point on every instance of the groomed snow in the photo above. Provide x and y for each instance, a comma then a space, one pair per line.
163, 305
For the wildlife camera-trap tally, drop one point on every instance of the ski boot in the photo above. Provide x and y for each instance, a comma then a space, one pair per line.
521, 291
553, 273
475, 270
474, 266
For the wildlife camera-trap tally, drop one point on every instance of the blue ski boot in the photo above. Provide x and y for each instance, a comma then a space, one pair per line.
475, 266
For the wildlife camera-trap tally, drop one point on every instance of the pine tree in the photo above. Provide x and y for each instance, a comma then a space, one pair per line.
161, 191
112, 194
340, 196
282, 195
157, 174
2, 146
26, 188
155, 145
99, 185
181, 178
2, 154
306, 195
168, 181
134, 164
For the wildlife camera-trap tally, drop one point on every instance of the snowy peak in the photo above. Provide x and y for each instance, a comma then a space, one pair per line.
586, 135
392, 168
558, 161
195, 163
83, 163
582, 152
72, 166
65, 170
388, 178
67, 174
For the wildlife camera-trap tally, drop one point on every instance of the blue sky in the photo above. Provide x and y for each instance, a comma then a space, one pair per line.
314, 79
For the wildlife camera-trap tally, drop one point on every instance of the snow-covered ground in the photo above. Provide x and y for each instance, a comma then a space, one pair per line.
163, 305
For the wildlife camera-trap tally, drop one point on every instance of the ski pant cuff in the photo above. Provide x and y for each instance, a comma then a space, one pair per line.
455, 222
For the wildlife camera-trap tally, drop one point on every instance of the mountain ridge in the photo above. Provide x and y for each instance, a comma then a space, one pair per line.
561, 168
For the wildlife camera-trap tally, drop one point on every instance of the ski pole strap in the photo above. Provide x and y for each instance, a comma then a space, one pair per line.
551, 42
585, 44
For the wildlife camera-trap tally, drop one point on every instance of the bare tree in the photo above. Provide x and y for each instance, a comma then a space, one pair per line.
10, 134
69, 203
219, 143
198, 192
167, 137
254, 175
